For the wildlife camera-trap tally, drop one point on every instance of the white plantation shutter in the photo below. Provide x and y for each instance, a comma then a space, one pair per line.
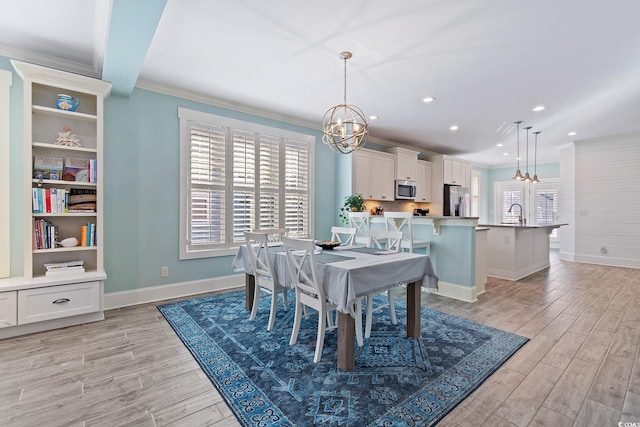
475, 194
244, 180
269, 173
240, 176
296, 187
547, 208
207, 185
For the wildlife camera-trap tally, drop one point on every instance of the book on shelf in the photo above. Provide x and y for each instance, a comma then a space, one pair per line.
64, 271
82, 200
45, 234
88, 235
47, 167
76, 169
64, 264
49, 200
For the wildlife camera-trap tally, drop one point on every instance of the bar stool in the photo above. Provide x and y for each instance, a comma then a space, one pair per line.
403, 221
360, 221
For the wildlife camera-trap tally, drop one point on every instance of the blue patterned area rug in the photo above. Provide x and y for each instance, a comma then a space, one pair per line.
397, 381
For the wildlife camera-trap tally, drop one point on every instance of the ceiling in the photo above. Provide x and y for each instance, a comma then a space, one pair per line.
487, 63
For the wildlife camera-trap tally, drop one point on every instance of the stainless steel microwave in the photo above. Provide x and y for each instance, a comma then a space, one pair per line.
405, 190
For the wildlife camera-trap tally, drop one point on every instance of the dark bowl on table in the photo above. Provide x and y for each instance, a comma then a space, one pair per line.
327, 245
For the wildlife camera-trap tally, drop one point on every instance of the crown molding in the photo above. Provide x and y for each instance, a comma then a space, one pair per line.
49, 62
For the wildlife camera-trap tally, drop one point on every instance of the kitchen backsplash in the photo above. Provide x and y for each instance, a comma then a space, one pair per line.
394, 206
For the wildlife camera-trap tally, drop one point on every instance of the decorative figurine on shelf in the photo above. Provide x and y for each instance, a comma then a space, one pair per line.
67, 102
65, 138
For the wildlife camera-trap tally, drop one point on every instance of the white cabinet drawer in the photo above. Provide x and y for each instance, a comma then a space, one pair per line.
36, 305
8, 308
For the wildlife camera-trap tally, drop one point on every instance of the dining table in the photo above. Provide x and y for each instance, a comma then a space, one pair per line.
348, 273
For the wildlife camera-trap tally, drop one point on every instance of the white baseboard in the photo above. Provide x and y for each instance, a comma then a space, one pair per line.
451, 290
175, 290
612, 261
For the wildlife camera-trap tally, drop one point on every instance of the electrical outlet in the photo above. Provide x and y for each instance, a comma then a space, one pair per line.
164, 272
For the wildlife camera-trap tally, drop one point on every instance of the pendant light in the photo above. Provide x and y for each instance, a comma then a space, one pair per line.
535, 179
344, 126
527, 177
518, 175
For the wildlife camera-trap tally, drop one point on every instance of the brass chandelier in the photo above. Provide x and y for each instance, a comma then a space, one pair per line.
345, 126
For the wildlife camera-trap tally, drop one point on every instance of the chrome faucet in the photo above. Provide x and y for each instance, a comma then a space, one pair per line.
521, 219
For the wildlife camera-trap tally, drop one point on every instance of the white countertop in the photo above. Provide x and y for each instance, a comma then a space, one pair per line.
554, 225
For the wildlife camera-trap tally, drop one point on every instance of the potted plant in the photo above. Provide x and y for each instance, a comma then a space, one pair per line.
352, 203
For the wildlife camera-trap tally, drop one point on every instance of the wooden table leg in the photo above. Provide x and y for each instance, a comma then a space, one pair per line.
249, 289
346, 347
413, 310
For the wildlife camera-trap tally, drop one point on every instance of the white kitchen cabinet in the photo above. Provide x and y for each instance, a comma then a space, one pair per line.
456, 172
423, 181
8, 309
374, 173
406, 163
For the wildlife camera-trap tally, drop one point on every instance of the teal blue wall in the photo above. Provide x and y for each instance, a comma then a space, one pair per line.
141, 186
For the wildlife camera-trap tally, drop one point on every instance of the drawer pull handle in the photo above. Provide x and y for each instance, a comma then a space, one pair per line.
61, 300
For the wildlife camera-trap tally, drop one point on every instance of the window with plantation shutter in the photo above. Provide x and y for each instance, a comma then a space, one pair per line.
475, 193
239, 176
509, 197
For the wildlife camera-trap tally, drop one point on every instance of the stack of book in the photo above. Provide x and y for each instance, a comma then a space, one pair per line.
64, 268
82, 200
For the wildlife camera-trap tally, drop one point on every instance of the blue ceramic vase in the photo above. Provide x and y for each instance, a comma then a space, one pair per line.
67, 102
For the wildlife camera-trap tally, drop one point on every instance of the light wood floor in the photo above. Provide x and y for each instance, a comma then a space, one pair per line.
580, 368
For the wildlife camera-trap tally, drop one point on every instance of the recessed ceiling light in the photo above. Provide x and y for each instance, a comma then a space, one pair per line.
538, 108
572, 133
505, 154
429, 99
454, 127
499, 145
374, 117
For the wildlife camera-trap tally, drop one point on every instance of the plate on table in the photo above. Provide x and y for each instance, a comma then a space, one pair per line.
327, 245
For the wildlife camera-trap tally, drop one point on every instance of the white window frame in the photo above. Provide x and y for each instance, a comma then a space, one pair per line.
186, 116
529, 192
475, 195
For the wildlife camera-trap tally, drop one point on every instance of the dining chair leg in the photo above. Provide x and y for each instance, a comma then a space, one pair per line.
274, 308
285, 298
392, 307
320, 339
256, 302
296, 324
367, 330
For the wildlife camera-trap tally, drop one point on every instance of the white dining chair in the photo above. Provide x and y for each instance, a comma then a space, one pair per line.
360, 221
275, 234
390, 241
403, 221
344, 235
309, 290
264, 274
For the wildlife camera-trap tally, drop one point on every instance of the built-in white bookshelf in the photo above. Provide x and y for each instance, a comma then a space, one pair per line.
54, 133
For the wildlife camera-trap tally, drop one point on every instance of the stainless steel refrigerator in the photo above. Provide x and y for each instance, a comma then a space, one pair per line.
455, 201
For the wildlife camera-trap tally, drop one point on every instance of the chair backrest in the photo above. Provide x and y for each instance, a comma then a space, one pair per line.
396, 221
360, 221
302, 266
274, 234
258, 248
344, 235
385, 239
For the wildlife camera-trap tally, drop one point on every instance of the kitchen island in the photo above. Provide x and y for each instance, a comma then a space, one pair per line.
515, 251
456, 249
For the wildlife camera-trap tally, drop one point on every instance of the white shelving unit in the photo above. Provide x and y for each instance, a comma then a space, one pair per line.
49, 302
